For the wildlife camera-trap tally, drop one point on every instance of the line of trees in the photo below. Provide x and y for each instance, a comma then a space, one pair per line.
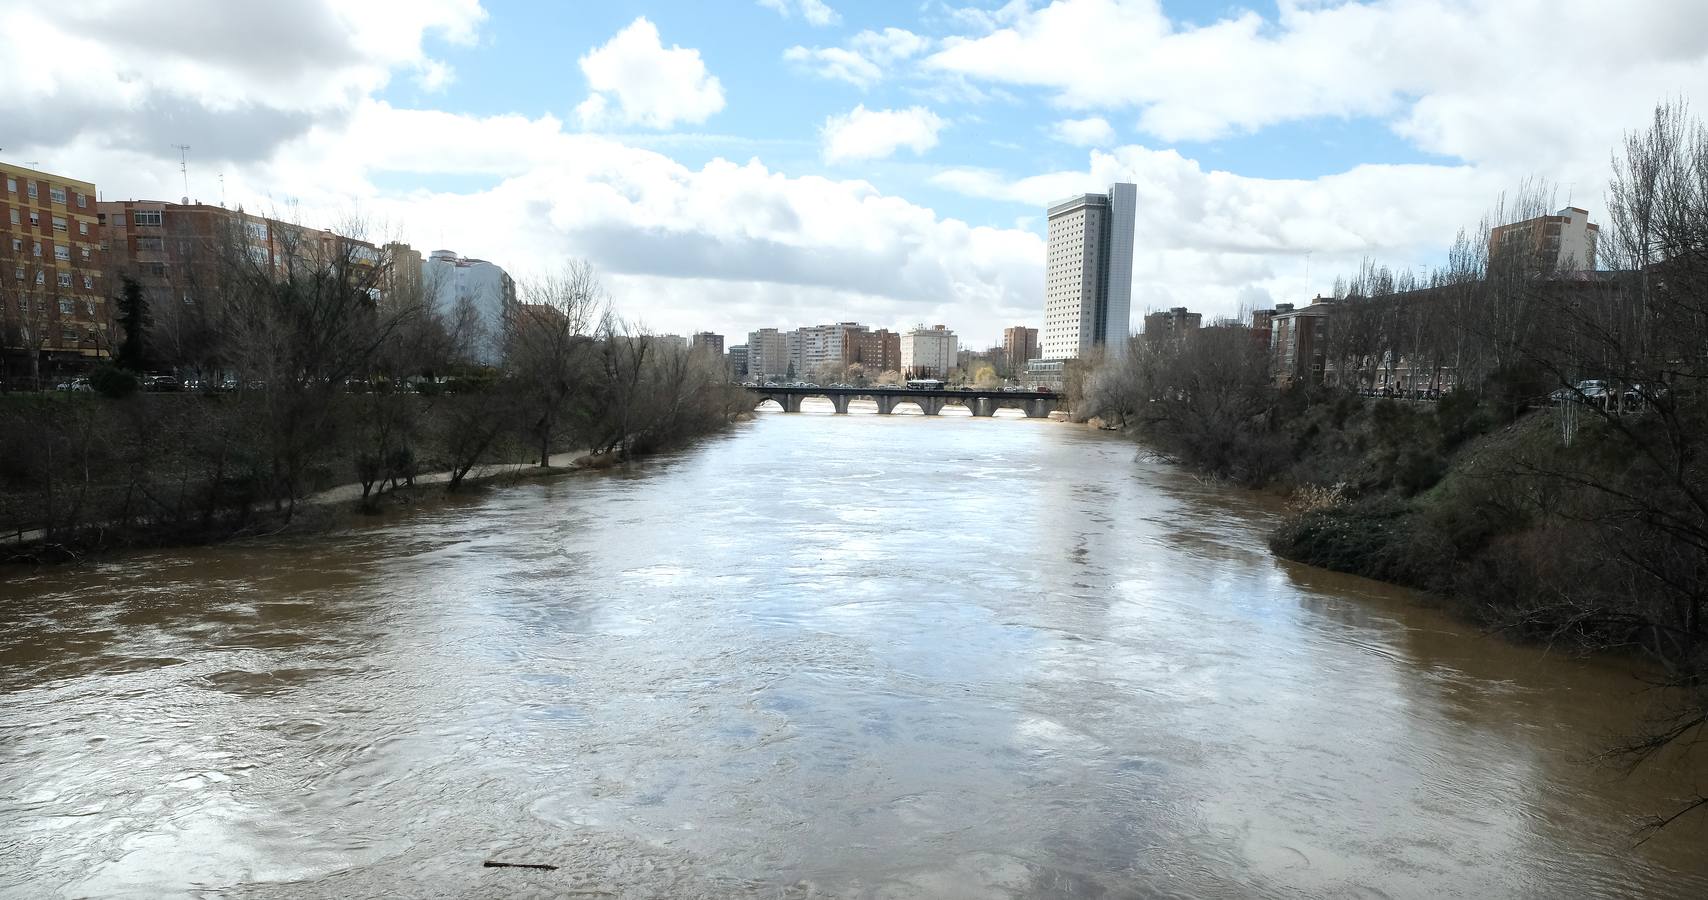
1559, 489
343, 369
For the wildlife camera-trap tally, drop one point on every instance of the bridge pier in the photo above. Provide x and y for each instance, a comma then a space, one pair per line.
931, 406
1038, 409
791, 403
984, 407
886, 404
840, 401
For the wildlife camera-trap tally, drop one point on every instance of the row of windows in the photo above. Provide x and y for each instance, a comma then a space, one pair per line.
59, 223
60, 251
65, 279
55, 193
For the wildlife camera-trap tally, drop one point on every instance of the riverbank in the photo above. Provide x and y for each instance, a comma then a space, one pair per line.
82, 475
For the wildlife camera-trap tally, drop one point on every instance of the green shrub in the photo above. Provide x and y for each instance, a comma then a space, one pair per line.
114, 382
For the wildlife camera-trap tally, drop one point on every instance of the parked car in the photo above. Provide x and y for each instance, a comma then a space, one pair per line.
161, 383
75, 384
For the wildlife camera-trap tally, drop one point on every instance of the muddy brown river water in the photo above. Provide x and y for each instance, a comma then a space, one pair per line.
818, 656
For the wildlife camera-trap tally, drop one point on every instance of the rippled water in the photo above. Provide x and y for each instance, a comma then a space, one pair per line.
821, 656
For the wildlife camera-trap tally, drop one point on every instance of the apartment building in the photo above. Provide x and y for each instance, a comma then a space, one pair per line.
464, 288
1019, 346
1088, 278
1563, 242
874, 351
767, 354
54, 304
928, 352
1298, 341
737, 360
707, 341
1173, 323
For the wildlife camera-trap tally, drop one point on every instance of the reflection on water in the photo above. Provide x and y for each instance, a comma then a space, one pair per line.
892, 657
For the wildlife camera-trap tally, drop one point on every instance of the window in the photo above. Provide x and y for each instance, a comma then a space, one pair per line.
14, 217
67, 307
258, 254
150, 243
17, 246
89, 285
56, 194
58, 223
62, 253
82, 227
32, 189
69, 335
19, 273
145, 217
37, 250
11, 185
256, 230
85, 252
41, 278
82, 200
35, 219
89, 310
65, 279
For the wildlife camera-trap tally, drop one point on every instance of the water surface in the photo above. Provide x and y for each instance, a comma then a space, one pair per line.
820, 656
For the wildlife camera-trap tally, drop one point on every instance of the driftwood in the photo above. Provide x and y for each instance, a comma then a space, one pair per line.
494, 864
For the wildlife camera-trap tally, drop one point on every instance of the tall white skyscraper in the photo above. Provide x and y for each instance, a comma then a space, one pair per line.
1088, 281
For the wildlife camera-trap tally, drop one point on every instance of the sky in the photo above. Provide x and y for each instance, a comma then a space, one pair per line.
728, 165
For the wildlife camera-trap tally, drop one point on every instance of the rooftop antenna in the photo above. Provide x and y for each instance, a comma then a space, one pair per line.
184, 167
222, 189
1570, 186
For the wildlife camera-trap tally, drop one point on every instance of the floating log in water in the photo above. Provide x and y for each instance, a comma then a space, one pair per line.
494, 864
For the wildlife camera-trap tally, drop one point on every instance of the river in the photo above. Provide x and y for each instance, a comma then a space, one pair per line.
826, 656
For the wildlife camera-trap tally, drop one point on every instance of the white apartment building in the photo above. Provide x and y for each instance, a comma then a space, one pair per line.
818, 345
928, 352
1088, 278
767, 353
487, 290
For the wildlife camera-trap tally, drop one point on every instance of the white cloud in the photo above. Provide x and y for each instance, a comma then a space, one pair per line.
1210, 239
863, 133
1481, 81
869, 57
816, 12
634, 80
232, 80
1090, 132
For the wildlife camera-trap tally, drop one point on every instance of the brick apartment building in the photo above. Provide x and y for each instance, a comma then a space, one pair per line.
1019, 346
875, 351
55, 313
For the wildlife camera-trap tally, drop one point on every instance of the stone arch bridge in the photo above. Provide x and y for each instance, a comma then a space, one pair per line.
1035, 404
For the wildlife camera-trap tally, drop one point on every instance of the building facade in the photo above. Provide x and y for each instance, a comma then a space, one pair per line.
1088, 277
1298, 342
1562, 242
767, 354
707, 341
737, 362
474, 290
54, 304
928, 352
1173, 323
873, 351
1019, 346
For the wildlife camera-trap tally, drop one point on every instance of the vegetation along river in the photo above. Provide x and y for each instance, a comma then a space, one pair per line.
850, 656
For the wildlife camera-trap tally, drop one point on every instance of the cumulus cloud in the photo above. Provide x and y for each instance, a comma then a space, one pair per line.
862, 133
635, 80
1094, 131
817, 13
1427, 65
233, 80
867, 59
